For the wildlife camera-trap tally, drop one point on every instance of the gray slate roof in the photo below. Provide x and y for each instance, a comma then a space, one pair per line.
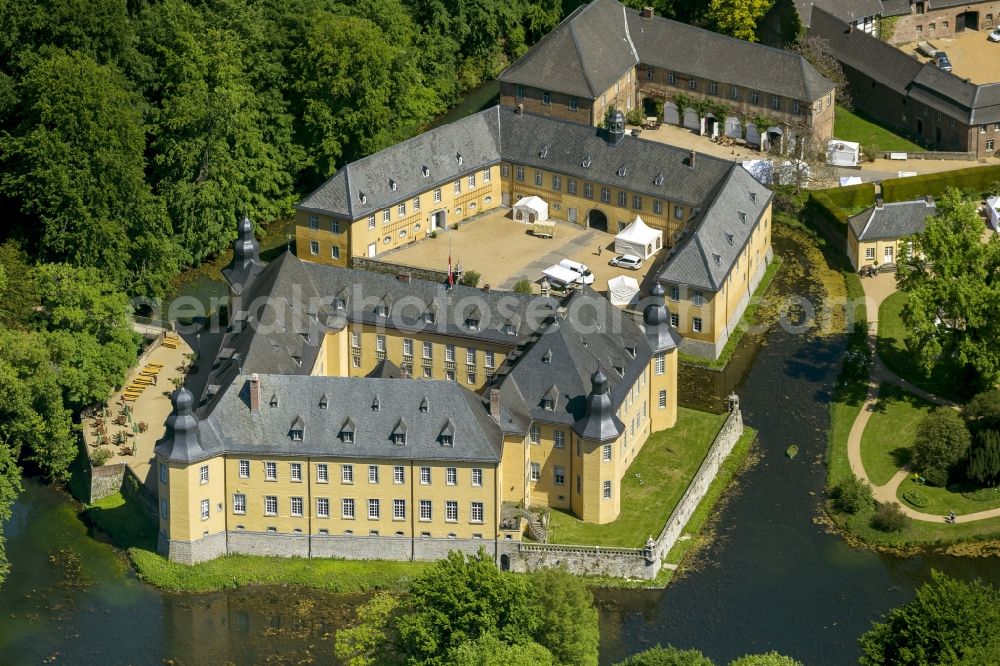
943, 91
474, 138
232, 428
706, 257
500, 133
846, 10
583, 56
569, 144
893, 220
710, 56
291, 303
590, 335
895, 7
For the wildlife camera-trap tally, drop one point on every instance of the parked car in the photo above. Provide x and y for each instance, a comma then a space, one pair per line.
627, 261
942, 61
994, 35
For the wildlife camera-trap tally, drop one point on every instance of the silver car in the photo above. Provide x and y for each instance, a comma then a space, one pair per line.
627, 261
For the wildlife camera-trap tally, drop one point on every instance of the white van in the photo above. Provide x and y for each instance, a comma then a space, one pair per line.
575, 266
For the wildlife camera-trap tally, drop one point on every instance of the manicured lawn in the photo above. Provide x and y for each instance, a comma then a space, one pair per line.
888, 438
953, 498
893, 350
652, 486
872, 137
132, 530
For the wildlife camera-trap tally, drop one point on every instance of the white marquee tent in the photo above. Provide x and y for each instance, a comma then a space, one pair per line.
993, 211
638, 239
623, 290
531, 209
843, 153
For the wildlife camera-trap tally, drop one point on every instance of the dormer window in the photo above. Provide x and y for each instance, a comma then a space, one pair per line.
743, 217
544, 151
508, 329
338, 304
586, 162
730, 238
425, 171
429, 317
753, 197
382, 310
323, 402
274, 400
472, 324
392, 185
424, 407
548, 405
547, 357
298, 425
718, 259
631, 351
296, 435
621, 171
399, 439
399, 433
658, 180
446, 440
347, 436
458, 157
376, 404
620, 369
362, 197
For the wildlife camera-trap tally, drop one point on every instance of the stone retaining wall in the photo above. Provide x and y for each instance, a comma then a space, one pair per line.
378, 266
935, 155
105, 480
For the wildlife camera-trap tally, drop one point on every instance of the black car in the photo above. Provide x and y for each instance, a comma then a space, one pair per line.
942, 61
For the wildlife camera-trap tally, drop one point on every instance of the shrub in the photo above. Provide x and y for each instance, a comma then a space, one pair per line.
635, 116
471, 278
974, 179
522, 286
852, 495
889, 517
941, 443
916, 498
100, 456
935, 476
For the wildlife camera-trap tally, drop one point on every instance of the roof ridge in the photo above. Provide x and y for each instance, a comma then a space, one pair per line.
543, 39
579, 56
347, 185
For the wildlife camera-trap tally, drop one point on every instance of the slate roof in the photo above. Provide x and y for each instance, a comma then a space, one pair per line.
710, 56
943, 91
365, 186
232, 428
846, 10
705, 258
590, 334
584, 55
895, 7
893, 220
291, 304
569, 144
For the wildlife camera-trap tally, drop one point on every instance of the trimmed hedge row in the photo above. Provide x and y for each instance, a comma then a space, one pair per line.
974, 179
831, 207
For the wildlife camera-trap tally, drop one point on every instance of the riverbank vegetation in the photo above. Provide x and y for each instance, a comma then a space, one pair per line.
655, 482
135, 532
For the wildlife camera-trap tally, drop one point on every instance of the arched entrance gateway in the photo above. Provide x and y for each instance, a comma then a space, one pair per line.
505, 562
597, 220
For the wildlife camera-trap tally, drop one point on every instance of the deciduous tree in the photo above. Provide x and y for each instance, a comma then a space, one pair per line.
984, 458
738, 18
488, 650
567, 618
767, 659
667, 656
941, 443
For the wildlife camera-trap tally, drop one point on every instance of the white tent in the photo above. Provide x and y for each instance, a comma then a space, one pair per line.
531, 209
842, 153
993, 211
623, 290
638, 239
850, 180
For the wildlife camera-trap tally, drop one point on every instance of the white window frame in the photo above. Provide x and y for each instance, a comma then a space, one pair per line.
372, 473
347, 508
244, 469
399, 474
270, 471
450, 511
347, 473
399, 509
477, 477
426, 511
239, 504
322, 473
295, 506
450, 476
535, 471
476, 512
322, 507
295, 472
606, 490
425, 476
374, 509
206, 509
203, 474
270, 505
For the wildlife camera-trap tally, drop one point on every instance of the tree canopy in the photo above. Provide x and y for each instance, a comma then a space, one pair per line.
952, 279
940, 444
949, 622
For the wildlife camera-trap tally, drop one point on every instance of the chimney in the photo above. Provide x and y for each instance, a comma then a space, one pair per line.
255, 393
403, 277
850, 28
647, 12
519, 109
486, 287
495, 404
691, 159
929, 199
879, 202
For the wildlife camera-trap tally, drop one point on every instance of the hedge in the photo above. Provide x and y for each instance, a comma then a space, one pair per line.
977, 180
833, 206
916, 498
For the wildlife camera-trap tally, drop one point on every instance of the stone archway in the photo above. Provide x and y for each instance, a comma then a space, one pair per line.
597, 220
505, 562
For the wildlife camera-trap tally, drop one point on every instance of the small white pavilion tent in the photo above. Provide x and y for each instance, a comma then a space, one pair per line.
638, 239
850, 180
623, 290
993, 211
842, 153
531, 209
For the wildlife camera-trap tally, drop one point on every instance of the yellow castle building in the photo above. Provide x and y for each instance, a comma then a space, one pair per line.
351, 414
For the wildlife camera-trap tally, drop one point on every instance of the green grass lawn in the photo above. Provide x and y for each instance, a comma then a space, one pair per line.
893, 350
132, 530
666, 464
872, 136
887, 442
953, 498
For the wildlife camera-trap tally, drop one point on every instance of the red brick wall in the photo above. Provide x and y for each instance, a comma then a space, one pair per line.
906, 26
558, 106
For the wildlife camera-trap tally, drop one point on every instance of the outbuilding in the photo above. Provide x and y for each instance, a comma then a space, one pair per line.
639, 239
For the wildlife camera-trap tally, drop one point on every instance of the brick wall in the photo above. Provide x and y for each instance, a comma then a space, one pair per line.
106, 480
944, 20
558, 106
